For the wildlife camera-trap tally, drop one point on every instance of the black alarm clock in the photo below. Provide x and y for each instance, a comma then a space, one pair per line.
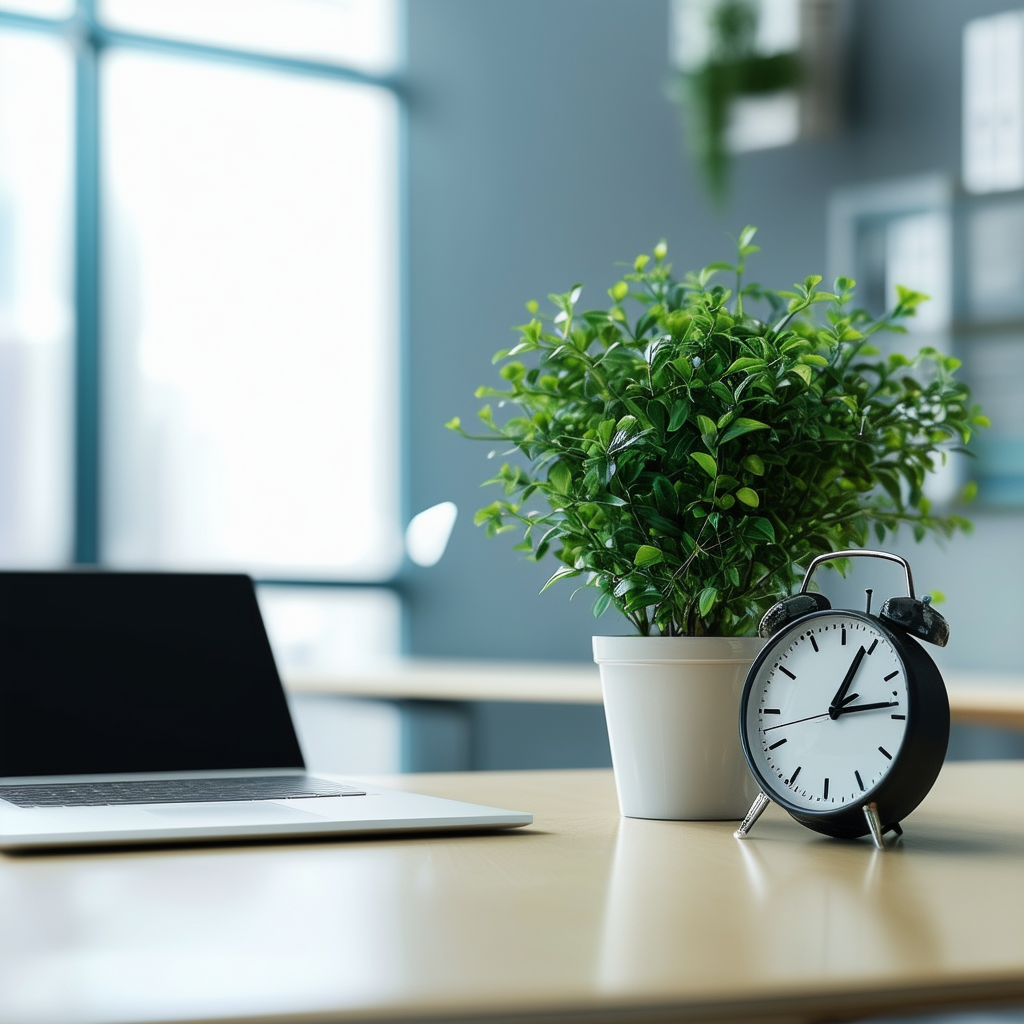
844, 719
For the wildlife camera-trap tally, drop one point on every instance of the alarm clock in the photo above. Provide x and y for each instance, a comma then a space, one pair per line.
844, 719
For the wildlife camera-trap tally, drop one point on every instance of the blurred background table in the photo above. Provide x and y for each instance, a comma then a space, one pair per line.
433, 715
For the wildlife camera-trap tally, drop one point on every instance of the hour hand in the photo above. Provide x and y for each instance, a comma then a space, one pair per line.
837, 701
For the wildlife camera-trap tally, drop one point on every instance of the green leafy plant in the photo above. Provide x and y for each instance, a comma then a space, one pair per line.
732, 69
693, 458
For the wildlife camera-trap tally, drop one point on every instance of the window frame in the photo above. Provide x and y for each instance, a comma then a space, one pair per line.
88, 38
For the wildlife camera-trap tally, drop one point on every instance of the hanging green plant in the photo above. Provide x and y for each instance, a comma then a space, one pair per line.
732, 69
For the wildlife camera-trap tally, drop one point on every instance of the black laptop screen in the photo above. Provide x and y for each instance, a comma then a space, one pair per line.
137, 672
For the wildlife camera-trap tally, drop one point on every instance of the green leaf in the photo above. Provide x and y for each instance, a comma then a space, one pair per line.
743, 425
560, 477
802, 371
762, 528
601, 605
665, 495
746, 363
706, 463
754, 464
680, 413
706, 601
648, 555
748, 497
707, 425
561, 574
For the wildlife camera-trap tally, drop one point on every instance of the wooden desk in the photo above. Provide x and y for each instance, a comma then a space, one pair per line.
583, 916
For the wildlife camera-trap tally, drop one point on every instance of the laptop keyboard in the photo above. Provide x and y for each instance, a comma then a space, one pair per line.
174, 791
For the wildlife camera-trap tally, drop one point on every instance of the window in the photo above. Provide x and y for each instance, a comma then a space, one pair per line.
200, 286
993, 103
901, 233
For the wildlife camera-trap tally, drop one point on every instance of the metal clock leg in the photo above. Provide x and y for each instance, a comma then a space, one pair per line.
755, 812
874, 824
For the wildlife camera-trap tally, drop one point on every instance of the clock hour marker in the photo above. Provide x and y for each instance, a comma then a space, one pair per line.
859, 783
886, 752
899, 718
814, 643
873, 646
782, 668
824, 795
774, 745
892, 675
792, 778
844, 636
770, 711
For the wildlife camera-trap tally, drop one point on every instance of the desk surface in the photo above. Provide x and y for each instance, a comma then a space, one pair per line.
584, 913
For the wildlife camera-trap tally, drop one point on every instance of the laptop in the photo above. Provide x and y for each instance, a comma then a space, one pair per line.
147, 707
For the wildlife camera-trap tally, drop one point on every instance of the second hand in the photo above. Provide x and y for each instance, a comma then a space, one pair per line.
796, 721
846, 709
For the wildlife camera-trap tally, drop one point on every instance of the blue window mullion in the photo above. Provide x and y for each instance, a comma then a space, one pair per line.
87, 466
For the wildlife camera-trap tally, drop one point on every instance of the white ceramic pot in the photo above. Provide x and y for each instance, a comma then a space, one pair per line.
672, 706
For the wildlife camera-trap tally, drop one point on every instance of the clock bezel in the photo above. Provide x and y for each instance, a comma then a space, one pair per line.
915, 765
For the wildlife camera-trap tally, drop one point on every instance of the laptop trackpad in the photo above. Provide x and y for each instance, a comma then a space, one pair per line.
263, 812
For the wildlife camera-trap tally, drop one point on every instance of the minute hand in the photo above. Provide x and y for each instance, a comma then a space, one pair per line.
850, 708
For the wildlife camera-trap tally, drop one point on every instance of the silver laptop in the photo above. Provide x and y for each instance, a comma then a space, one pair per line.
146, 707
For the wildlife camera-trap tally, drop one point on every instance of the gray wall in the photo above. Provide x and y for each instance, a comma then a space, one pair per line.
542, 151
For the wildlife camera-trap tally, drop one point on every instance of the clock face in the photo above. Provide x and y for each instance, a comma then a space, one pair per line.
826, 712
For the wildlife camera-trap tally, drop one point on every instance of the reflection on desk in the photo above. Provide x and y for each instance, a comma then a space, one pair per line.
584, 913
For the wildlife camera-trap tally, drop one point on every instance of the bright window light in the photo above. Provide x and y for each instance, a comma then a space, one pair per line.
993, 103
250, 321
41, 8
359, 33
319, 632
36, 321
918, 255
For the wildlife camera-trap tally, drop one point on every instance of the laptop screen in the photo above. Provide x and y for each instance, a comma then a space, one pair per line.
137, 672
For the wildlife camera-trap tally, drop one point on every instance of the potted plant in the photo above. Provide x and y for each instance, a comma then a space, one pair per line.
692, 457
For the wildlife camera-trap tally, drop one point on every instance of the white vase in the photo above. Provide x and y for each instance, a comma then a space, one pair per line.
672, 706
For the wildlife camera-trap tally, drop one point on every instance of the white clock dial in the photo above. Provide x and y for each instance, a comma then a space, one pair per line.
826, 714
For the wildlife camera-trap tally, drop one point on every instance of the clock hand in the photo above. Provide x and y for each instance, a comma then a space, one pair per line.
868, 707
837, 700
796, 721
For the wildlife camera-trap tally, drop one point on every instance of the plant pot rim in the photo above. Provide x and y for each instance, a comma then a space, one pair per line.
647, 650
